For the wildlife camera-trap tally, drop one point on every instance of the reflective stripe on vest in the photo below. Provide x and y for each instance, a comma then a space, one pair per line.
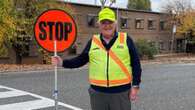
119, 69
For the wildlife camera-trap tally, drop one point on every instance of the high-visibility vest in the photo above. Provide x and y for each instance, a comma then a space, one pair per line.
110, 68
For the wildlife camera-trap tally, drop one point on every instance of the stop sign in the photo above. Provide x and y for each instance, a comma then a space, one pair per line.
55, 25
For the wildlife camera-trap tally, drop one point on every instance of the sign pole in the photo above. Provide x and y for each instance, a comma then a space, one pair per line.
56, 78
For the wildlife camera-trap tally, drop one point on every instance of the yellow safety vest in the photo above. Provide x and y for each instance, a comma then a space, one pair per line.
110, 68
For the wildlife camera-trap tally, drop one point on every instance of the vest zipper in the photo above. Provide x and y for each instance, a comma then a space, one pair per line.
107, 68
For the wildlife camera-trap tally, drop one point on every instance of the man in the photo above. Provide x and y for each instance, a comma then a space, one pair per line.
114, 66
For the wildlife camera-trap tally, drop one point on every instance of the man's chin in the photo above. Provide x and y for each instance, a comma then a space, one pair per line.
107, 36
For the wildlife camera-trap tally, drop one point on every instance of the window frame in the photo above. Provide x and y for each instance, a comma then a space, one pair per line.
141, 23
94, 23
160, 25
151, 26
127, 22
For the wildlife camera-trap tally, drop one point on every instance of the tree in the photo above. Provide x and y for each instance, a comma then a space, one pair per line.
139, 5
183, 16
7, 25
103, 2
17, 19
187, 23
177, 6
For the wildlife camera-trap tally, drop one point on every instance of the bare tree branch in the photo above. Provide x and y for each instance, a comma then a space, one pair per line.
112, 2
178, 6
103, 3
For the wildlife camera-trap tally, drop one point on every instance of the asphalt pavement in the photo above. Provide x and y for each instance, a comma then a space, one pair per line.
163, 87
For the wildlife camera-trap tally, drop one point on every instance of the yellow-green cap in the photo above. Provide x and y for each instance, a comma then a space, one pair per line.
106, 13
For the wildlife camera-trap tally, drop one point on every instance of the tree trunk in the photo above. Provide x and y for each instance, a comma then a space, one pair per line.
18, 58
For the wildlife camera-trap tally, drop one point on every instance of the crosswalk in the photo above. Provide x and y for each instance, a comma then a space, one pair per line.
13, 99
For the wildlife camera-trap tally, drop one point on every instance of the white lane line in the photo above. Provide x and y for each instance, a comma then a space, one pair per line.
37, 96
11, 94
29, 105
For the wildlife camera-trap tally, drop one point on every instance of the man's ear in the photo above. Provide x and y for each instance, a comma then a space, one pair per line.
98, 22
115, 23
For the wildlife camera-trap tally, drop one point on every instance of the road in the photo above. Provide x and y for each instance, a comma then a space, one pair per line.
164, 87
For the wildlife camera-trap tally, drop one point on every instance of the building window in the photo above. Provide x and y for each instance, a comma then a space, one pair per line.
124, 23
161, 45
92, 20
151, 25
162, 25
139, 23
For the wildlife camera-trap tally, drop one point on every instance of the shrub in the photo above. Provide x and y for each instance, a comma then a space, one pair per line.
146, 49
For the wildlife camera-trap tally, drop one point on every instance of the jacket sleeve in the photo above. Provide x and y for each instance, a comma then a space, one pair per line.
80, 60
135, 62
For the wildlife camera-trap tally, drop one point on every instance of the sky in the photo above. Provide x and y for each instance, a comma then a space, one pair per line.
155, 4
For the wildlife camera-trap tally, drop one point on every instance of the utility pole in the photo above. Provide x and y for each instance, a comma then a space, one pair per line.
102, 3
117, 13
173, 37
174, 29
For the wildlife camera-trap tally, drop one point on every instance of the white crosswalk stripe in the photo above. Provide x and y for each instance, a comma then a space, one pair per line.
41, 102
11, 94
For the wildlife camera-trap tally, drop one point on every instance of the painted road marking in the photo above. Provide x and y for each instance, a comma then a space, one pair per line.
29, 105
17, 99
3, 90
11, 94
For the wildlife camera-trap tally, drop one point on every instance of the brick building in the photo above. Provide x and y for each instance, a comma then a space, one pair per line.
152, 26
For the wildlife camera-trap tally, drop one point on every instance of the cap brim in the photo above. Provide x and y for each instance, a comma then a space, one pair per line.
106, 18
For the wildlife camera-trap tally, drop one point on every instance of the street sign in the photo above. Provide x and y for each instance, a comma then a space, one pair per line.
174, 28
55, 31
54, 25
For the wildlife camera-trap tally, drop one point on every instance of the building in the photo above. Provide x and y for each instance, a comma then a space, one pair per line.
152, 26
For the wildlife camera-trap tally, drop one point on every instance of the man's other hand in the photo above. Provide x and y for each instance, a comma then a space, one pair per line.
133, 95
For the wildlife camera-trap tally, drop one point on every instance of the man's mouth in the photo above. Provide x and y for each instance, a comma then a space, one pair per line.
109, 30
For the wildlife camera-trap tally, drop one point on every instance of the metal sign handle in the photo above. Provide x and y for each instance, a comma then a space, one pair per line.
56, 78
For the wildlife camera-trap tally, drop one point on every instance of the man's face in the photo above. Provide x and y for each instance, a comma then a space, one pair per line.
107, 28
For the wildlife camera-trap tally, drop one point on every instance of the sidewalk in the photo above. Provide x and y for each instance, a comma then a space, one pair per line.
13, 68
159, 59
23, 67
171, 58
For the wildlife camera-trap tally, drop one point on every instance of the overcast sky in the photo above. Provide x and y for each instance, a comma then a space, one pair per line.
156, 4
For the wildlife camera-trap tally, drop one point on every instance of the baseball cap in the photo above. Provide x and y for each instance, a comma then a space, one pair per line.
106, 13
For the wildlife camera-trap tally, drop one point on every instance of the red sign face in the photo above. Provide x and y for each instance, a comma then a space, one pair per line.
54, 25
